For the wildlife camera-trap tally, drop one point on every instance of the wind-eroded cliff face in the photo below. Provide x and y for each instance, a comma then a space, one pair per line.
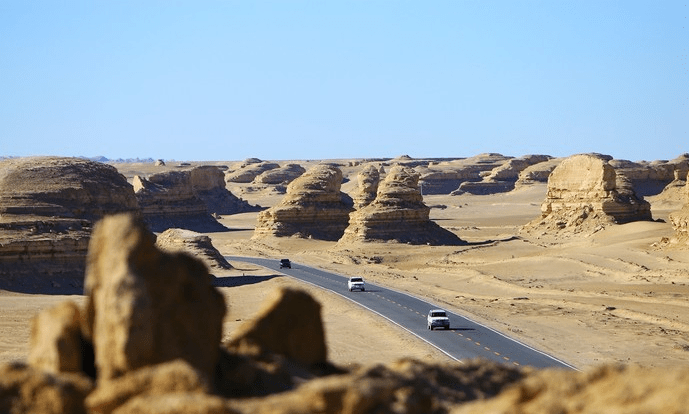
47, 208
314, 207
186, 199
397, 213
680, 219
584, 193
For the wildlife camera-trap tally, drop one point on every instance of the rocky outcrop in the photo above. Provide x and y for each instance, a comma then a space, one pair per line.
208, 184
585, 193
446, 176
282, 175
502, 178
314, 207
249, 171
649, 178
368, 179
47, 208
153, 323
173, 199
680, 219
145, 306
537, 173
397, 214
193, 243
289, 324
603, 389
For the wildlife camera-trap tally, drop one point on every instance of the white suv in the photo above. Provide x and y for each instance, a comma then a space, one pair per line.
437, 318
356, 283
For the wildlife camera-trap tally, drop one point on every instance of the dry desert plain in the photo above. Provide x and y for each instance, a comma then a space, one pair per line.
615, 296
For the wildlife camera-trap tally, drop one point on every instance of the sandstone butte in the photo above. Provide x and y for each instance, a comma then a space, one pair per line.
186, 199
367, 179
585, 194
397, 214
313, 207
149, 341
47, 208
680, 219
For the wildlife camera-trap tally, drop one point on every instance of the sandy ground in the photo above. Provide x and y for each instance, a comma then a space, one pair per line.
611, 297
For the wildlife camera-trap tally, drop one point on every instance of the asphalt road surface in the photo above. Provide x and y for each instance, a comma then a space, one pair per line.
465, 339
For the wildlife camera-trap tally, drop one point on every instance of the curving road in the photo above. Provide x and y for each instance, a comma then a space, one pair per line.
464, 340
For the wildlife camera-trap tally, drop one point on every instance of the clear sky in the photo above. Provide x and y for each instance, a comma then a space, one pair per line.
228, 80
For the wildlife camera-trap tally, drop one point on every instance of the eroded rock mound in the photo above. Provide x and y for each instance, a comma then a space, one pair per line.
605, 389
249, 171
537, 173
585, 194
208, 184
47, 208
282, 175
680, 219
368, 179
502, 178
195, 244
446, 177
289, 324
314, 207
169, 199
398, 213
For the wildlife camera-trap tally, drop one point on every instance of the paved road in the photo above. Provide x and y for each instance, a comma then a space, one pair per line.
465, 339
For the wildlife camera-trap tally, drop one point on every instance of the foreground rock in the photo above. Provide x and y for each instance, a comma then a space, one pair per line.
606, 389
314, 207
47, 208
585, 194
174, 199
397, 214
146, 307
290, 325
154, 322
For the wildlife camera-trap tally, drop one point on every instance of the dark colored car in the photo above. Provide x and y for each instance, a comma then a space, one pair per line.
285, 263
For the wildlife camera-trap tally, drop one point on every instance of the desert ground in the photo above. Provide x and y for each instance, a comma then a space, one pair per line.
618, 295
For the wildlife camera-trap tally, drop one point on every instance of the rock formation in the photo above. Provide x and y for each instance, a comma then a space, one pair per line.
47, 208
195, 244
208, 184
585, 193
153, 322
537, 173
249, 171
680, 219
282, 175
314, 207
398, 213
145, 306
368, 179
446, 176
502, 178
288, 321
174, 199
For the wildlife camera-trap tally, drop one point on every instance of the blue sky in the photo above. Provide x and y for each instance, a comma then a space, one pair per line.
228, 80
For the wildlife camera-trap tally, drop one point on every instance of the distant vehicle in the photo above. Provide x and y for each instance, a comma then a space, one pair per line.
285, 263
356, 283
437, 318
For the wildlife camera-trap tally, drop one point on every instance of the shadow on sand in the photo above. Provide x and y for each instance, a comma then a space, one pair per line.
234, 281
